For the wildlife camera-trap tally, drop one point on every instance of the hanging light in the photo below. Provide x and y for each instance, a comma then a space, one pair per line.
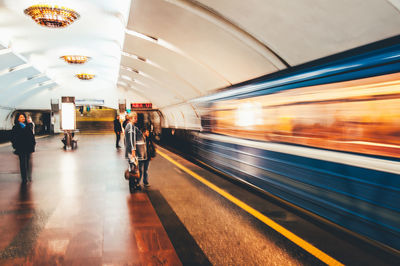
75, 59
52, 16
85, 76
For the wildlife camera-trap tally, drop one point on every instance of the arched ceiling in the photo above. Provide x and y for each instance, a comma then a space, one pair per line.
98, 33
170, 51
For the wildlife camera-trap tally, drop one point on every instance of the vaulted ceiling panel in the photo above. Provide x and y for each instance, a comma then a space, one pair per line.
25, 95
170, 79
20, 74
202, 77
206, 39
9, 60
152, 82
301, 31
21, 86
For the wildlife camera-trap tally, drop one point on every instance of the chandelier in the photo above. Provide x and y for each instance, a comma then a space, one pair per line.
84, 76
75, 59
51, 16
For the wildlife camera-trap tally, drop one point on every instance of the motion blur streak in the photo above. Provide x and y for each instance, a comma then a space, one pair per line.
360, 115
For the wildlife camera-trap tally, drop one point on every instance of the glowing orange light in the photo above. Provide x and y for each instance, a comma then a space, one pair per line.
75, 59
84, 76
53, 17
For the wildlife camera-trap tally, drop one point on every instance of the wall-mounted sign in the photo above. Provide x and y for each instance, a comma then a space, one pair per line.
141, 105
94, 102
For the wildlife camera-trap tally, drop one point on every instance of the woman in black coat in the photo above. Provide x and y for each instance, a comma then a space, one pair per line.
23, 141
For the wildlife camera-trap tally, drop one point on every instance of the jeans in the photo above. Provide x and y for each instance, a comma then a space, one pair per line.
143, 166
25, 165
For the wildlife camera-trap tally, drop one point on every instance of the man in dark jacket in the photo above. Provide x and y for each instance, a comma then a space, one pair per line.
150, 153
117, 130
23, 141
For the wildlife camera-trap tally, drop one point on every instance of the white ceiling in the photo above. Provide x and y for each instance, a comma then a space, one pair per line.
98, 33
199, 45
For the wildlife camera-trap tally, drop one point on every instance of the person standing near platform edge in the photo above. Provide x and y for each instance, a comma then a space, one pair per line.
150, 153
118, 131
23, 141
134, 144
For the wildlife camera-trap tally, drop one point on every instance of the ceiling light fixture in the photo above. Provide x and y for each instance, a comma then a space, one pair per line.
52, 16
75, 59
85, 76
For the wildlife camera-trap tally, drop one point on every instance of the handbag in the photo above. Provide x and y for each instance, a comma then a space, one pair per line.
132, 172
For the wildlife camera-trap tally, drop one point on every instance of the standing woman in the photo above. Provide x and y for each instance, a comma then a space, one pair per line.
23, 141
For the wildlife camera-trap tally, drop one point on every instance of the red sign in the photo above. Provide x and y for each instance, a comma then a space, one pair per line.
141, 105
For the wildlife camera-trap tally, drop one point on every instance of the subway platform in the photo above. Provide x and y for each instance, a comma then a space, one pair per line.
78, 211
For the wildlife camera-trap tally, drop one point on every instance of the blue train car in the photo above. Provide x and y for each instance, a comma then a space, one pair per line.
324, 137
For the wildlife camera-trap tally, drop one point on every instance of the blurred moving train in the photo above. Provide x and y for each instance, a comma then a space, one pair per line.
324, 136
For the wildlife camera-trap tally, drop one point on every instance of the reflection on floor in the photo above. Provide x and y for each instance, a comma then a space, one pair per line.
77, 210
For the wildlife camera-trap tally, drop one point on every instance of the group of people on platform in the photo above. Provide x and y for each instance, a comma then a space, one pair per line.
139, 147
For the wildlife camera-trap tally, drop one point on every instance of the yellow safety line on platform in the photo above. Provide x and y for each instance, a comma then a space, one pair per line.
289, 235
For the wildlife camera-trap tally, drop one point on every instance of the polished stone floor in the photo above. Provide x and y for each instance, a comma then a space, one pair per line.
77, 210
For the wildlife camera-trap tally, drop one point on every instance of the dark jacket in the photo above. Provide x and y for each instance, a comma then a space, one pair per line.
22, 139
150, 148
117, 126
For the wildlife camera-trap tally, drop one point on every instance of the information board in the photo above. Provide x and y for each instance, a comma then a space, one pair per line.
141, 105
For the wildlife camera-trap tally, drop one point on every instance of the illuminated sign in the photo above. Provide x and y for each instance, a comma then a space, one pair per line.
141, 105
67, 116
68, 113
